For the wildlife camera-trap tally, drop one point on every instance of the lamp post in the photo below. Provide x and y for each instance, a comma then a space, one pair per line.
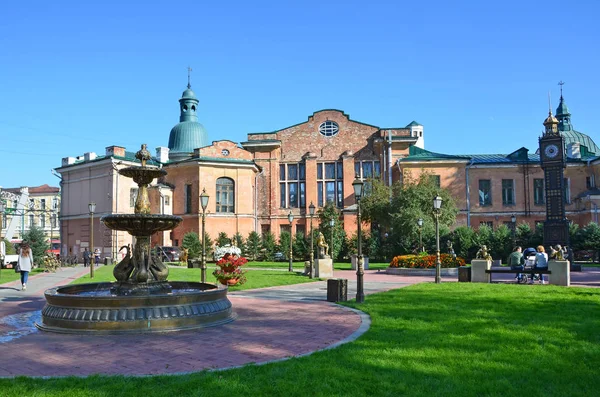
1, 241
332, 224
290, 219
311, 212
513, 222
360, 295
92, 208
204, 203
420, 224
437, 205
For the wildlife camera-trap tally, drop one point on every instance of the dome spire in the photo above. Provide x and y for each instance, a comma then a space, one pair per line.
551, 123
189, 86
562, 112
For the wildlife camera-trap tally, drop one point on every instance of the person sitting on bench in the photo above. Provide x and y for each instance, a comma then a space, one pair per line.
516, 261
541, 262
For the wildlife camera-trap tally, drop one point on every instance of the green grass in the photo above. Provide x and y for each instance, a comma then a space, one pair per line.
256, 278
8, 275
426, 340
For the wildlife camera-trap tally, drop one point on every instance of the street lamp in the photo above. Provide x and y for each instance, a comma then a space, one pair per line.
92, 208
513, 222
290, 219
420, 224
437, 205
332, 224
311, 212
204, 204
358, 190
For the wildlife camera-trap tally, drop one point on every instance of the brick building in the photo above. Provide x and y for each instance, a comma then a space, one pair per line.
254, 185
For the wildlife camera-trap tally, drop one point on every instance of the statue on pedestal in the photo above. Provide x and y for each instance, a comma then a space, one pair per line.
483, 254
323, 247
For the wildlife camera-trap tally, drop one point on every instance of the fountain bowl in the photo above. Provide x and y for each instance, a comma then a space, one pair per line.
95, 308
141, 224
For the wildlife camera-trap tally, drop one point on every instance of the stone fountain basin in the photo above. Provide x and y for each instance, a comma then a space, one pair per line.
92, 308
141, 224
143, 172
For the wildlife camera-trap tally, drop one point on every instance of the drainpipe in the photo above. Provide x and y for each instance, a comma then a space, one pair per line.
389, 158
256, 199
468, 193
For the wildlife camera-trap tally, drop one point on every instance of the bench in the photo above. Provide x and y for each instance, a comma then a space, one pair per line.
507, 270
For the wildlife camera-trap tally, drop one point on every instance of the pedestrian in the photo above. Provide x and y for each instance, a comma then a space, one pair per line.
86, 257
97, 256
25, 263
541, 262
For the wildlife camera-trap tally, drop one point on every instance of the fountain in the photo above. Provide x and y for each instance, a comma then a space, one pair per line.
142, 299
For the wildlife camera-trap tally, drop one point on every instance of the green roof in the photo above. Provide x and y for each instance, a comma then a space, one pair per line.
413, 124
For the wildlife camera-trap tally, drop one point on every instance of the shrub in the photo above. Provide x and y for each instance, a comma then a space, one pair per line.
426, 261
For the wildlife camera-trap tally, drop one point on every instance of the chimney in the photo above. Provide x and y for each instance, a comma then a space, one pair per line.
574, 150
68, 161
89, 156
162, 154
115, 151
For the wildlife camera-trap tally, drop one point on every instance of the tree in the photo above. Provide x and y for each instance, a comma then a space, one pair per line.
10, 248
284, 243
590, 236
300, 246
523, 235
464, 241
269, 245
223, 240
502, 243
239, 241
38, 243
400, 207
191, 241
253, 245
208, 243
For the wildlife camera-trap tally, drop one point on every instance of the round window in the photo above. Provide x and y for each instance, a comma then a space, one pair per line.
329, 128
225, 152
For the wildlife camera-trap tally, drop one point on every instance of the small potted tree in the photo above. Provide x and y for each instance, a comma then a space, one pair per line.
229, 270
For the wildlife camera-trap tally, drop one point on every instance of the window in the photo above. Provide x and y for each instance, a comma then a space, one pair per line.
188, 199
330, 183
31, 221
167, 200
54, 203
292, 186
53, 221
567, 190
508, 192
485, 192
300, 229
367, 169
489, 224
42, 221
133, 192
43, 204
4, 222
329, 128
589, 182
225, 195
31, 203
538, 191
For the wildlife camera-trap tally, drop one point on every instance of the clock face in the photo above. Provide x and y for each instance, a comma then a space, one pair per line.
551, 151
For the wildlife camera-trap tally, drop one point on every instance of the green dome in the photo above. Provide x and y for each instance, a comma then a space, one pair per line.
573, 136
189, 134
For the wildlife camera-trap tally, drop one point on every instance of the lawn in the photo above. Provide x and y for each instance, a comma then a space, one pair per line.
425, 340
256, 278
8, 275
299, 266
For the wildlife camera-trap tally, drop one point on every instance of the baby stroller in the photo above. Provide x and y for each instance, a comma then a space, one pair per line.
529, 256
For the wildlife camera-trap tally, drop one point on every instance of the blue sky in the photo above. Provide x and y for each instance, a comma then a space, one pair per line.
77, 77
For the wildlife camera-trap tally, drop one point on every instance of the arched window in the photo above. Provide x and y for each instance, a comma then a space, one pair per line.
225, 195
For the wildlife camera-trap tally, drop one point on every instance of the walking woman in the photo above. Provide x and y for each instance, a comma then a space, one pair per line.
25, 262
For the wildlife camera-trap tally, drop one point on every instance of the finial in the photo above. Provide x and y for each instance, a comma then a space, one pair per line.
549, 104
189, 69
561, 83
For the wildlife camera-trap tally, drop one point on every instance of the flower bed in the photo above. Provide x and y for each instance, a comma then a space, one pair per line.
425, 261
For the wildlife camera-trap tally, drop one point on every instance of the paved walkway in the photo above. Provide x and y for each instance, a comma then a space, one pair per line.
273, 323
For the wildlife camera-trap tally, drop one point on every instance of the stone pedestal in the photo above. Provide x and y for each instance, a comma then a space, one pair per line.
478, 268
353, 262
324, 268
561, 273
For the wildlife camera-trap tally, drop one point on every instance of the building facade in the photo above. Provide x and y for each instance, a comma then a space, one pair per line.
25, 207
254, 185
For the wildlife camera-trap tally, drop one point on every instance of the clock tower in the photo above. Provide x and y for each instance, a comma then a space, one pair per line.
553, 162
